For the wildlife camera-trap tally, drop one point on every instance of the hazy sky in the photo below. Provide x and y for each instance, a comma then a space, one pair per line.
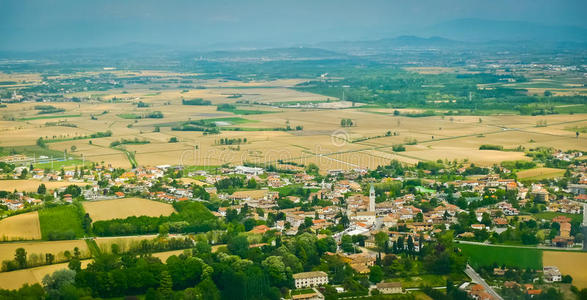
49, 24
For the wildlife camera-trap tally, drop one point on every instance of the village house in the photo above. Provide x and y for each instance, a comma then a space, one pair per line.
390, 287
310, 279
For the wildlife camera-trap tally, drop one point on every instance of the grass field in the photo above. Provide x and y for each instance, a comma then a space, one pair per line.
63, 164
480, 255
61, 221
548, 215
20, 227
574, 264
126, 207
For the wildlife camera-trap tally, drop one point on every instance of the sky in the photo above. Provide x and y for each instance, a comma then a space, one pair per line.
58, 24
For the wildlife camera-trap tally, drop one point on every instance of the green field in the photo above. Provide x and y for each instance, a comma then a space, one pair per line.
129, 116
480, 255
231, 120
60, 222
50, 117
60, 164
548, 215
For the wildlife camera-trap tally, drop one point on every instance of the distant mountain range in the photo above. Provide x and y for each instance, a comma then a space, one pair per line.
478, 30
465, 34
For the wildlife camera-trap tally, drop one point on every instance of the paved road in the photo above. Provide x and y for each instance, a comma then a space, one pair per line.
477, 279
515, 246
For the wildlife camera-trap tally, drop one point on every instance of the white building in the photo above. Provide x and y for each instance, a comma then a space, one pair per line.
310, 279
248, 170
552, 274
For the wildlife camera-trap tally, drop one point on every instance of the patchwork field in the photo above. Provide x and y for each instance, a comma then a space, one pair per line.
574, 264
20, 227
126, 207
255, 117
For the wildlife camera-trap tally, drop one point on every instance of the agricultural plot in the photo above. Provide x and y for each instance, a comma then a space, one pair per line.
125, 242
16, 279
569, 263
61, 223
540, 173
40, 248
480, 255
126, 207
20, 227
368, 143
31, 185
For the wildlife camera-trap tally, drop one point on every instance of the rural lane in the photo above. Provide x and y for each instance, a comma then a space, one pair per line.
477, 278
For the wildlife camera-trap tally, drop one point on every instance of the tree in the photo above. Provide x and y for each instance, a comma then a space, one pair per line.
75, 264
239, 245
73, 190
165, 284
42, 189
410, 244
173, 140
381, 240
252, 183
312, 168
58, 282
275, 268
249, 224
486, 220
208, 290
49, 258
347, 244
20, 258
73, 148
376, 274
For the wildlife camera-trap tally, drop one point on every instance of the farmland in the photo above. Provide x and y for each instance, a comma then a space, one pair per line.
540, 173
40, 248
319, 139
573, 264
15, 279
126, 207
60, 222
31, 185
480, 255
20, 227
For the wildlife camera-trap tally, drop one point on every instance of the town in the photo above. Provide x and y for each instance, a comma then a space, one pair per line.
397, 229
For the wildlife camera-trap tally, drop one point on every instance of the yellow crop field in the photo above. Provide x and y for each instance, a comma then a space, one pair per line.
323, 141
39, 249
31, 185
15, 279
540, 173
20, 227
126, 207
124, 242
569, 263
